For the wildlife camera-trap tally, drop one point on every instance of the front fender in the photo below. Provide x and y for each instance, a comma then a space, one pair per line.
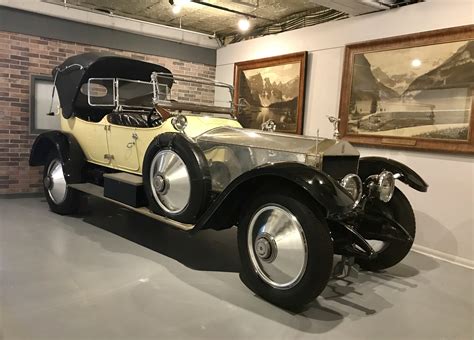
322, 188
374, 165
66, 147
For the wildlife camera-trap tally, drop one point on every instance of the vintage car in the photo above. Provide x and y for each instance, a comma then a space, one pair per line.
296, 200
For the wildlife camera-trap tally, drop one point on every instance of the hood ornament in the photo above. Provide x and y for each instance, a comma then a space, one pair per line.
269, 126
335, 122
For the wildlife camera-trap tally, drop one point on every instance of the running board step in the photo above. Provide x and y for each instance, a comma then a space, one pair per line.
125, 188
98, 191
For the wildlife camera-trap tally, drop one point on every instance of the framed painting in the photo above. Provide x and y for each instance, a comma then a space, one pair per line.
271, 89
414, 91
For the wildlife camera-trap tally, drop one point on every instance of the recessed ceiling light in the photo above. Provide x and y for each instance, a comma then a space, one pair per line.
244, 24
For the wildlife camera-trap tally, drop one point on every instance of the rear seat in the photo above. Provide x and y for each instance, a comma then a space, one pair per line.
131, 119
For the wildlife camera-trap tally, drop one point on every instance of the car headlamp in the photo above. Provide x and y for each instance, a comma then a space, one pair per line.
179, 122
353, 185
386, 186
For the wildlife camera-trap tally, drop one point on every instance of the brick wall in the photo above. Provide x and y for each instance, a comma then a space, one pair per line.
22, 56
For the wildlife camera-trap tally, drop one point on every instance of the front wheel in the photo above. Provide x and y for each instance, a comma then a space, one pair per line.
389, 253
285, 249
61, 199
176, 178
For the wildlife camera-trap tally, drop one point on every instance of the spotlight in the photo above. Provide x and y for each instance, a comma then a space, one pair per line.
176, 9
244, 24
416, 63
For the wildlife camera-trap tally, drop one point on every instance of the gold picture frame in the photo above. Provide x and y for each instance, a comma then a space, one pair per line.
271, 88
414, 91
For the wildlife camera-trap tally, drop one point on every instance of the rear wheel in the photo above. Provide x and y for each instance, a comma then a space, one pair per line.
389, 253
61, 199
285, 249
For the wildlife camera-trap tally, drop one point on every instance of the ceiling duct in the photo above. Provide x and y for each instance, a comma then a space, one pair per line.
249, 3
359, 7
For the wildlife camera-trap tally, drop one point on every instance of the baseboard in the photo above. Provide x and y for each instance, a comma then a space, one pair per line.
460, 261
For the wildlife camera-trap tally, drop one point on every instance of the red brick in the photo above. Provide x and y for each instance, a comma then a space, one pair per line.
22, 56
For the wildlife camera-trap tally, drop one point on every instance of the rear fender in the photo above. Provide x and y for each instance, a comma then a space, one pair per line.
66, 147
374, 165
325, 191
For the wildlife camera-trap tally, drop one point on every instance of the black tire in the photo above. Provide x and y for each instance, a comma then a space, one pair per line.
197, 168
319, 252
70, 203
400, 210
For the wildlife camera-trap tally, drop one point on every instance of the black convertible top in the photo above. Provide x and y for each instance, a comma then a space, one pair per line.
76, 70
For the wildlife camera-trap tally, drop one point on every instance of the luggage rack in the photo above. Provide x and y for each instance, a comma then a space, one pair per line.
157, 94
162, 98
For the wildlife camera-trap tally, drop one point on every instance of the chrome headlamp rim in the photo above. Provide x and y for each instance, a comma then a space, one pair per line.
358, 182
179, 122
384, 177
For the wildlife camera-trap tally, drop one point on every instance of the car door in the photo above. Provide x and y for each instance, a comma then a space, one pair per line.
122, 142
91, 136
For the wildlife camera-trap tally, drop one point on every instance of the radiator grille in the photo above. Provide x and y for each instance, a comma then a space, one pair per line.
339, 166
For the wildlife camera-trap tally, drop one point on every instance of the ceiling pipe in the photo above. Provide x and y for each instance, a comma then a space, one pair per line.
254, 5
390, 4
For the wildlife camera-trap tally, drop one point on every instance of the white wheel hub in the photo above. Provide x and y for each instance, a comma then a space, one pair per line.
170, 182
277, 246
55, 182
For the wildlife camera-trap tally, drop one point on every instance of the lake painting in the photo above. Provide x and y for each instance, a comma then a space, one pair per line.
271, 90
417, 92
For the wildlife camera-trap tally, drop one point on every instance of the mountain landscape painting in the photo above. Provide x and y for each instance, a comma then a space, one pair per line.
271, 89
417, 92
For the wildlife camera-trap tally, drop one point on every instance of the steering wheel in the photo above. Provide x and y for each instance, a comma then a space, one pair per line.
154, 121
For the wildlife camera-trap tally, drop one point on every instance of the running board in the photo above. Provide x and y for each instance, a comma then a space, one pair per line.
98, 191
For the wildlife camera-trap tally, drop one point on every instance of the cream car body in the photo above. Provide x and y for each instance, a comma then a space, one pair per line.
122, 147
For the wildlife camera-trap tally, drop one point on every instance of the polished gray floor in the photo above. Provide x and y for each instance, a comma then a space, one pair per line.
111, 274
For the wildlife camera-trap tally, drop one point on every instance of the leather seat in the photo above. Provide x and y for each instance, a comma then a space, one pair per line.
131, 119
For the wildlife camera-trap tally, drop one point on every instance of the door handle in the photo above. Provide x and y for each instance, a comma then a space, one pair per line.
134, 142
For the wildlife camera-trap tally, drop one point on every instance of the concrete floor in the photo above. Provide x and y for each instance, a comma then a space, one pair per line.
111, 274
